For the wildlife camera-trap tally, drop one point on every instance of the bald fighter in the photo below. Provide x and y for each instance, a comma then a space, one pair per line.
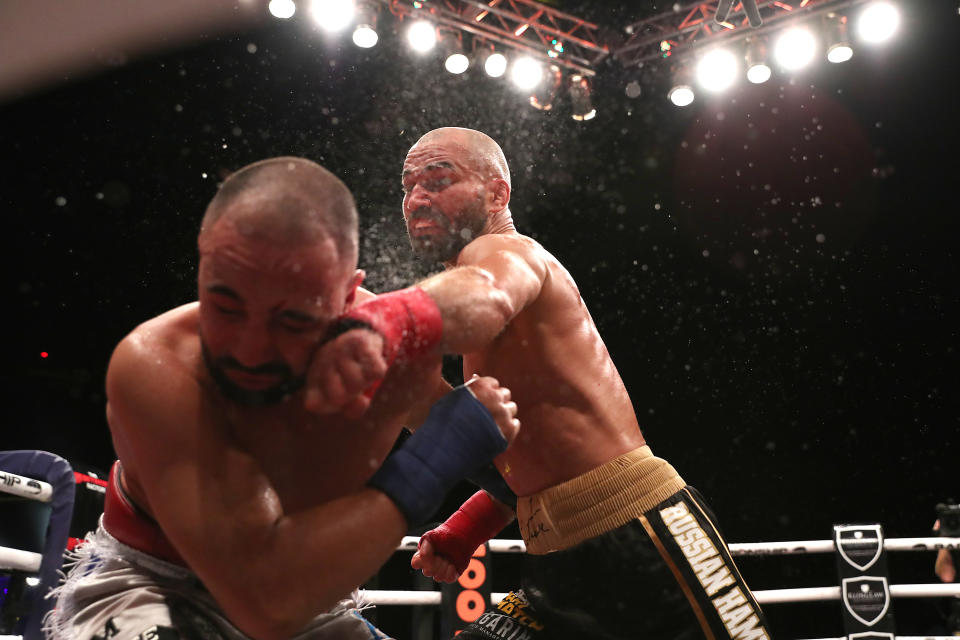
618, 546
232, 511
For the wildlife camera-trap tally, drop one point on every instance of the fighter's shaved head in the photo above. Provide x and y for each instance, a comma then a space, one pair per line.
480, 150
287, 200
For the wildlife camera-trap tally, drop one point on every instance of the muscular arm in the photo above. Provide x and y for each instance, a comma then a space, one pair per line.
269, 570
496, 277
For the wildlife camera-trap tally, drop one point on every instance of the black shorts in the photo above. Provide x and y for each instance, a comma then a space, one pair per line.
667, 575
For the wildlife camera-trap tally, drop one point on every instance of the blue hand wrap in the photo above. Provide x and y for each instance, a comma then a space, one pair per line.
458, 437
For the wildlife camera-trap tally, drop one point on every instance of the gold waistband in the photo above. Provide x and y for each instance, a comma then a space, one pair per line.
596, 502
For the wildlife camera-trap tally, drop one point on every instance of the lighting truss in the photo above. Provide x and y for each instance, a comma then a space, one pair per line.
691, 27
525, 25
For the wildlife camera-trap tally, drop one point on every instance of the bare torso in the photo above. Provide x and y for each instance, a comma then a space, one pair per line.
309, 459
573, 406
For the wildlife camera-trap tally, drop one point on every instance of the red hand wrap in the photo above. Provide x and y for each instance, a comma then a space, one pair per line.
476, 521
409, 321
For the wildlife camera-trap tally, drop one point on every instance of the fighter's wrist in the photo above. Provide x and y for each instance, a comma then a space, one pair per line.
408, 320
458, 437
476, 521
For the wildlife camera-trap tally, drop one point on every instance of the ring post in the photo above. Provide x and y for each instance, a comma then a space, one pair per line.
864, 582
465, 600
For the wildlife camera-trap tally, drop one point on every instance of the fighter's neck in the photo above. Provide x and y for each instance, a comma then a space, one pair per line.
500, 222
502, 228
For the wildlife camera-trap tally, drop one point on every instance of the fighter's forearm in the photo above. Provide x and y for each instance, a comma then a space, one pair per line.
325, 553
474, 309
312, 558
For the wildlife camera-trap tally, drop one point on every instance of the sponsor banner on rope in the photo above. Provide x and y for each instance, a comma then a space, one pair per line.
859, 545
864, 581
866, 599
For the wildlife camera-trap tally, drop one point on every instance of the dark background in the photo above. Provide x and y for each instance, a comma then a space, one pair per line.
772, 269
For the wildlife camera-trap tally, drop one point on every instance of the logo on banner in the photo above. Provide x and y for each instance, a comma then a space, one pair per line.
867, 600
860, 545
870, 635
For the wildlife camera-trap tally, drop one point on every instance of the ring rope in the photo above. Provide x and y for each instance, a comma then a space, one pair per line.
25, 487
19, 560
898, 638
409, 543
769, 596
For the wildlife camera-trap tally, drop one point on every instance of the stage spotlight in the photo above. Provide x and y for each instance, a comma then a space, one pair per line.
456, 63
282, 9
526, 73
681, 95
580, 98
365, 34
758, 71
495, 65
332, 15
795, 48
878, 22
543, 96
717, 70
452, 47
422, 36
838, 45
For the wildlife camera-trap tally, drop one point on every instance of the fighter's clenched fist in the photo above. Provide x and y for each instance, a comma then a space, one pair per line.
342, 370
344, 373
498, 402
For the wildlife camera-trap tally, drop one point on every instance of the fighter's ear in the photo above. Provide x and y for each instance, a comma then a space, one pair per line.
499, 194
355, 282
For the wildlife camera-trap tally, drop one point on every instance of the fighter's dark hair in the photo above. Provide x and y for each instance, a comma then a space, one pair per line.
302, 202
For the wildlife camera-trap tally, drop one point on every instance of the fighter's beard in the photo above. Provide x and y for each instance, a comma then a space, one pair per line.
446, 247
246, 397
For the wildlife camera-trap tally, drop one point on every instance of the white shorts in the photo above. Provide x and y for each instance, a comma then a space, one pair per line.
114, 591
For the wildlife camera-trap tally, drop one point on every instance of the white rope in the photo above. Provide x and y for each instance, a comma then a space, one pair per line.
827, 546
25, 487
924, 590
413, 598
409, 543
807, 594
19, 560
899, 638
407, 598
810, 594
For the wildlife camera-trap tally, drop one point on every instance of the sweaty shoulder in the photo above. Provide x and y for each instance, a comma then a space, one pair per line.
509, 246
168, 340
153, 355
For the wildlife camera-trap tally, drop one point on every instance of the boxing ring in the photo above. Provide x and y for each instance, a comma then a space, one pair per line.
41, 566
769, 596
45, 479
764, 597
